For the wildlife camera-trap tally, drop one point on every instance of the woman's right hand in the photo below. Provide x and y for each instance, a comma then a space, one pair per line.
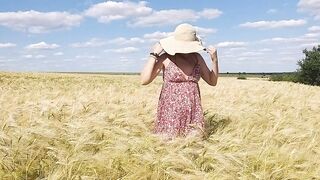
213, 53
157, 48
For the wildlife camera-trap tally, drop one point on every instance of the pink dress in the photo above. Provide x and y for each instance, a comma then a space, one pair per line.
179, 108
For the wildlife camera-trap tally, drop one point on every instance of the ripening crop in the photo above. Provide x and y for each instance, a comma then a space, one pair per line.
80, 126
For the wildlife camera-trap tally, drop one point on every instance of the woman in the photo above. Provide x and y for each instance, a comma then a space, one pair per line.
179, 108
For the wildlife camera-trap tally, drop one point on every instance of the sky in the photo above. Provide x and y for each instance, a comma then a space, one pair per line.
117, 36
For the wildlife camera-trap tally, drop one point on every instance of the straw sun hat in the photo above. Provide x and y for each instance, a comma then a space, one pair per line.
183, 40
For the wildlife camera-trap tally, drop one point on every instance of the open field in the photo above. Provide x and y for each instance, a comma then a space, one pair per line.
95, 126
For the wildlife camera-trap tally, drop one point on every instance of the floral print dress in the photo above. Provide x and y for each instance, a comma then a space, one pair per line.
179, 109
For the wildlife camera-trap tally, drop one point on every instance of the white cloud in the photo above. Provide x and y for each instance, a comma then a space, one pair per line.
142, 15
39, 56
41, 46
277, 40
126, 41
123, 50
124, 59
38, 22
93, 42
7, 45
239, 48
265, 50
204, 31
314, 29
250, 54
112, 10
68, 60
245, 58
173, 16
310, 6
312, 35
272, 11
231, 44
58, 54
210, 13
86, 57
156, 36
164, 17
242, 53
309, 45
30, 56
274, 24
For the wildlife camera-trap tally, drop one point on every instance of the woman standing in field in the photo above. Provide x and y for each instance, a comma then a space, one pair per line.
179, 109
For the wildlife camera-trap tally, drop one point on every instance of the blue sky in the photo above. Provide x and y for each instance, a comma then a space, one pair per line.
116, 36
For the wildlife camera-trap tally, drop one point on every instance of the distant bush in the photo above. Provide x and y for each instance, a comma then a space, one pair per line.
241, 77
293, 77
263, 75
309, 71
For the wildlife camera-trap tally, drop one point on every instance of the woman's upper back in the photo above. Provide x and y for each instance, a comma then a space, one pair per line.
181, 67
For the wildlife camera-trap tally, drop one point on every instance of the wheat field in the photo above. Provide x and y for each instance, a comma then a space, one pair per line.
80, 126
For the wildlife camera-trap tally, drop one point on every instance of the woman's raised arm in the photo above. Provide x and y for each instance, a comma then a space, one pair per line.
154, 65
210, 76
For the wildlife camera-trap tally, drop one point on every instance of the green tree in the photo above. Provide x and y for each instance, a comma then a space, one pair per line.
309, 67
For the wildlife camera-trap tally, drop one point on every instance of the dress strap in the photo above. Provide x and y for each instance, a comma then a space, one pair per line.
163, 69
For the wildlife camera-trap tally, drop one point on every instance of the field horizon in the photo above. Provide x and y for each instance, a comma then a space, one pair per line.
223, 74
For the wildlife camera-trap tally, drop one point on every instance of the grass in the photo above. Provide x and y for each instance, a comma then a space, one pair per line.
80, 126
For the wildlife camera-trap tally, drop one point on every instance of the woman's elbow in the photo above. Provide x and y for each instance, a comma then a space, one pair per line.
144, 81
214, 83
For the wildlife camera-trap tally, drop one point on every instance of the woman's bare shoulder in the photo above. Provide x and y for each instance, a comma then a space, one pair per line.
199, 57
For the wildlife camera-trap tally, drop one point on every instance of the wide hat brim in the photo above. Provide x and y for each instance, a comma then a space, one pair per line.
173, 46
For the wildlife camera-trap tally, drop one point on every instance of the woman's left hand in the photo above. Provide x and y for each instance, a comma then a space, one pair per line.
213, 53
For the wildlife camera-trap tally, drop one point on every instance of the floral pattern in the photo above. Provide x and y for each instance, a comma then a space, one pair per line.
179, 109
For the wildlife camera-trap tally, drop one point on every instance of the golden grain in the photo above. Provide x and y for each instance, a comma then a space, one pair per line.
76, 126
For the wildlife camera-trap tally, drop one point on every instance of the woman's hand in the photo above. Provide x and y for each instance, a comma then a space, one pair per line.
213, 53
156, 48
